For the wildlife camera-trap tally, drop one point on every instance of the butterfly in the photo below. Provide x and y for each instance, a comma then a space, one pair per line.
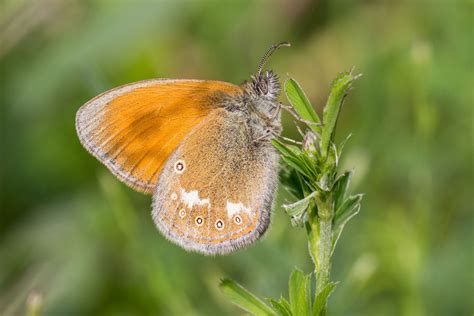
201, 147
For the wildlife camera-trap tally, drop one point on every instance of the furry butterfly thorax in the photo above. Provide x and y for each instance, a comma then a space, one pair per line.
259, 103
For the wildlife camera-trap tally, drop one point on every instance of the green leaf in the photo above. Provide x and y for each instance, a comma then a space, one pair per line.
339, 88
347, 210
336, 233
297, 208
322, 298
299, 288
342, 144
285, 303
301, 104
310, 164
244, 299
285, 149
298, 221
297, 159
282, 307
296, 163
340, 188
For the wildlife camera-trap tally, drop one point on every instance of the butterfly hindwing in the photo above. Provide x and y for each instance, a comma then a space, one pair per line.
215, 192
133, 129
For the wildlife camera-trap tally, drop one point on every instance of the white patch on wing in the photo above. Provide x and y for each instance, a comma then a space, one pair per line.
236, 208
192, 198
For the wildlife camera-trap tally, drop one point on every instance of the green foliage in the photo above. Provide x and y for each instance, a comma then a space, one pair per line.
299, 303
244, 299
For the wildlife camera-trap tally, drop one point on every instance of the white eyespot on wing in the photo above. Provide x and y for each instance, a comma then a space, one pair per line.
236, 208
174, 196
192, 198
199, 221
238, 219
219, 224
179, 166
182, 213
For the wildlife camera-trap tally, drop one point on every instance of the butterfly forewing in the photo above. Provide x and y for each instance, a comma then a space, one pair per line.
133, 129
215, 192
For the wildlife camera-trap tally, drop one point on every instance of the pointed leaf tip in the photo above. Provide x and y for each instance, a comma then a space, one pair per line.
300, 292
301, 104
244, 298
322, 298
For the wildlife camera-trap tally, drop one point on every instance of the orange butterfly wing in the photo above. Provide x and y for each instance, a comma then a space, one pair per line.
134, 128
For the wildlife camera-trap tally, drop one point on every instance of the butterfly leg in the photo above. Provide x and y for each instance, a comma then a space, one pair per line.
288, 139
299, 130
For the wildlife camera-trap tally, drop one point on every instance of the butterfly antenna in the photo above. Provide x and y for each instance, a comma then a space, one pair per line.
268, 54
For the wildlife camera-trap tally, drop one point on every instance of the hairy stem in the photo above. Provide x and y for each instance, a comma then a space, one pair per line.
325, 242
323, 251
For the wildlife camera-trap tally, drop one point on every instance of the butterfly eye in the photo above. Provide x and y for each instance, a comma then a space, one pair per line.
199, 221
179, 166
219, 224
238, 220
182, 213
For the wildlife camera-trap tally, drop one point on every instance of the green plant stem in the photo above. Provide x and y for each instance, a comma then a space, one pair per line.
325, 244
325, 226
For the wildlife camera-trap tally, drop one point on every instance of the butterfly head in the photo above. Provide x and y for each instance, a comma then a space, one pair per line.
263, 91
266, 85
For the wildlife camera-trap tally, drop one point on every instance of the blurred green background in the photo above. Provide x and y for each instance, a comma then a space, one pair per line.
79, 242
